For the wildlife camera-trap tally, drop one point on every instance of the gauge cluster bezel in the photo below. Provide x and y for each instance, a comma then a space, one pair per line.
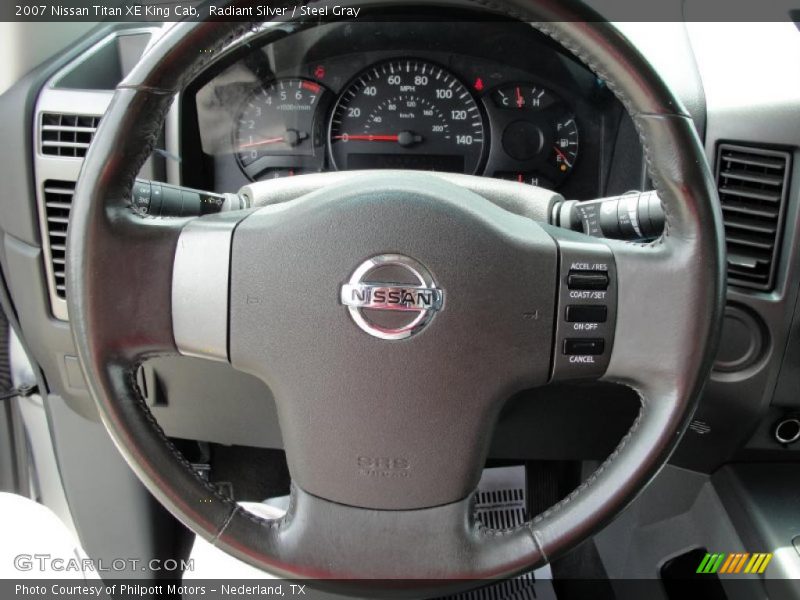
327, 56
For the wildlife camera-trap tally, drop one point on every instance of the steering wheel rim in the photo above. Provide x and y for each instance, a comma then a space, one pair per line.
661, 350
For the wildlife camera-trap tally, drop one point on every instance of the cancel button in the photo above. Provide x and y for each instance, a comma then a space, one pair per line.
585, 346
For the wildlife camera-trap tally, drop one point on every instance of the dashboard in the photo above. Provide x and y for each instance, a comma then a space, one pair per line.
487, 98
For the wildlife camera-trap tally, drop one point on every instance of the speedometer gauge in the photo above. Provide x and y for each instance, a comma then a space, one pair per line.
407, 114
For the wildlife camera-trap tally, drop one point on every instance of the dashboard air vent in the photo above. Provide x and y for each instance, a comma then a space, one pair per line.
753, 184
67, 135
58, 202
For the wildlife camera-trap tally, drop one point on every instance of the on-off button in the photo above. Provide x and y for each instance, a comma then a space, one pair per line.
586, 313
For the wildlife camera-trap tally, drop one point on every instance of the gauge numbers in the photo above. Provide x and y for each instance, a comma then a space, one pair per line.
278, 129
407, 114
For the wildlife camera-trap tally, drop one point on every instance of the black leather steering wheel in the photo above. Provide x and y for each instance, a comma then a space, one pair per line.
386, 438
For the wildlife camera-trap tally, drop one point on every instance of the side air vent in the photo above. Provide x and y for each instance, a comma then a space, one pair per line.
67, 135
58, 202
753, 184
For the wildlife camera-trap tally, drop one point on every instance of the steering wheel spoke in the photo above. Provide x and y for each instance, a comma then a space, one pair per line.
586, 307
200, 286
653, 331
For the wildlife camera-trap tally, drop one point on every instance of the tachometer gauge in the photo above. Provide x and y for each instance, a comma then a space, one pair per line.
407, 114
280, 128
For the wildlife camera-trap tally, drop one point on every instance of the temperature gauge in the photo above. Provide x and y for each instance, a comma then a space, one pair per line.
523, 97
529, 178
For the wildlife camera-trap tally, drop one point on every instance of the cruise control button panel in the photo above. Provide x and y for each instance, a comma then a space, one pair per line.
587, 309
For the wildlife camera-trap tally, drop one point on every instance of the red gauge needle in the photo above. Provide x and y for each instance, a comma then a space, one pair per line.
562, 155
520, 99
292, 137
404, 138
367, 138
275, 140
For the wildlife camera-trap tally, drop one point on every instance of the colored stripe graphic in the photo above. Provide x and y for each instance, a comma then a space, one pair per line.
710, 563
741, 562
758, 564
703, 563
732, 560
734, 563
720, 562
765, 563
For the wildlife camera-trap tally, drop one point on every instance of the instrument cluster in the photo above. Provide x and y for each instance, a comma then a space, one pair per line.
464, 110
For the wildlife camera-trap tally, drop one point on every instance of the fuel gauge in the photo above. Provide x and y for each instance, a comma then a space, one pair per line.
565, 146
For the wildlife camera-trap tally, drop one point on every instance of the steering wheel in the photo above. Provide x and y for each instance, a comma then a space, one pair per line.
392, 315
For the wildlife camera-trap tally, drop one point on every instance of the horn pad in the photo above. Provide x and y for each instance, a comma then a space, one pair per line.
391, 319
